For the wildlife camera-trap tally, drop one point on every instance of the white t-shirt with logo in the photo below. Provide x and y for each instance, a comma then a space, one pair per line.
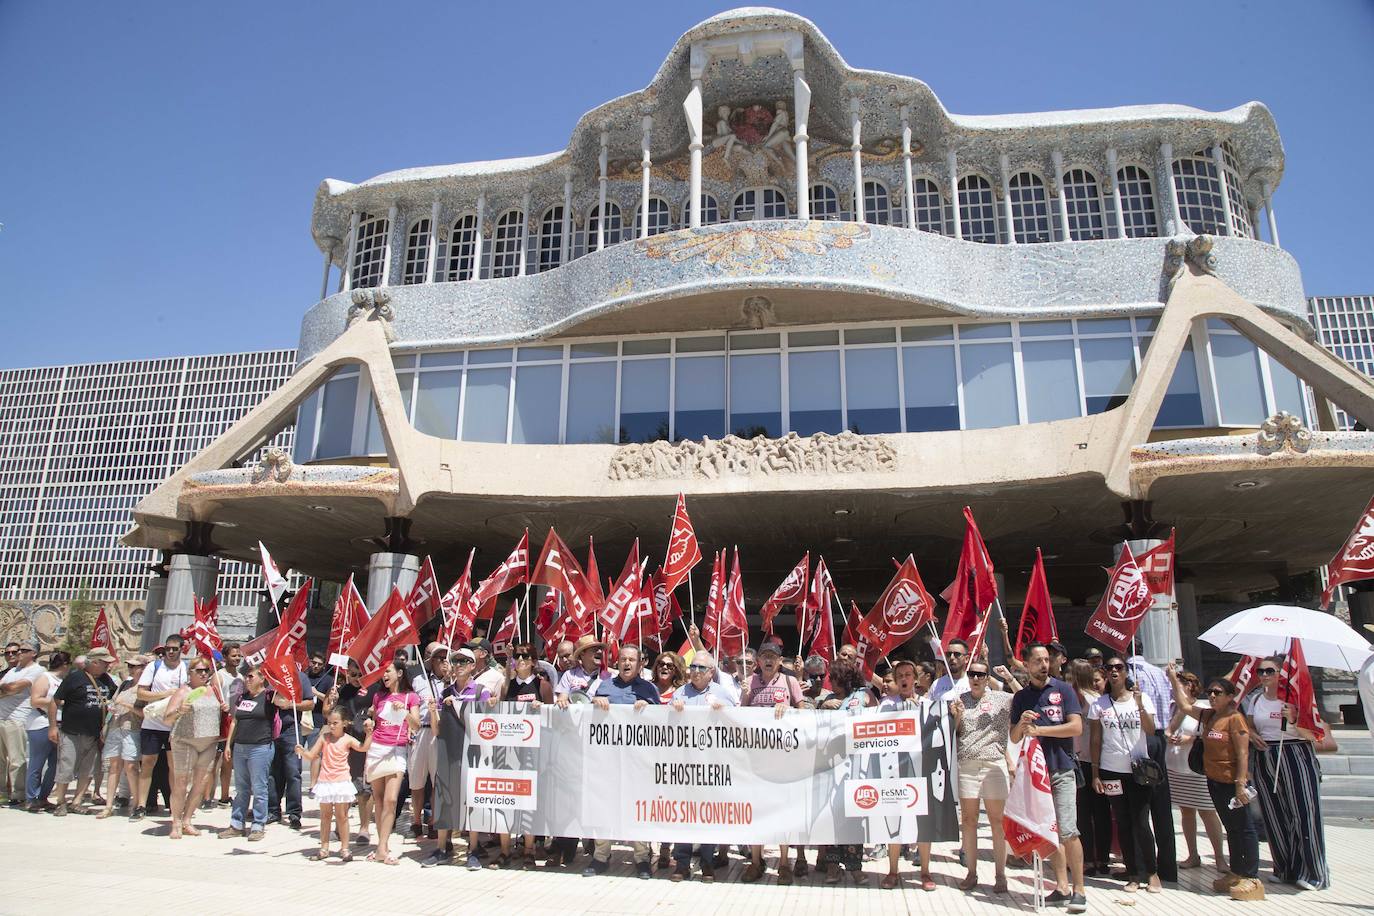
16, 706
1267, 715
158, 678
1123, 740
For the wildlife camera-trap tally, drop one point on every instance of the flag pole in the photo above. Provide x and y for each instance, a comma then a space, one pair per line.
691, 599
1278, 766
834, 647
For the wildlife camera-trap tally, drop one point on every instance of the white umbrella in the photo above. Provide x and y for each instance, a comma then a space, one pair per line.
1268, 629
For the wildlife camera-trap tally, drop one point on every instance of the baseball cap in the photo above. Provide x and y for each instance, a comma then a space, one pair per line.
483, 644
465, 654
769, 646
435, 647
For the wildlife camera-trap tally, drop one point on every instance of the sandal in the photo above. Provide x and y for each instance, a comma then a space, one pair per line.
927, 883
969, 881
188, 830
1131, 887
890, 880
391, 860
319, 855
372, 856
346, 857
1000, 885
107, 812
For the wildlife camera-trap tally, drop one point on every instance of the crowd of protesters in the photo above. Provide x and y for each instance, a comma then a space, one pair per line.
1120, 738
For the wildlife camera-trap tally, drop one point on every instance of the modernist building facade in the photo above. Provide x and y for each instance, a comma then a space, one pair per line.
829, 311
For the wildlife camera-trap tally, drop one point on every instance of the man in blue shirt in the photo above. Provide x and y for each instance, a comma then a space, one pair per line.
1048, 709
627, 688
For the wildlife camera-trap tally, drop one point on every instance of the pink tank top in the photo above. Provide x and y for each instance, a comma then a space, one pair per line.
334, 759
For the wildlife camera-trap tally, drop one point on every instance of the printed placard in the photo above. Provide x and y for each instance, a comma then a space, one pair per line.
501, 730
339, 660
882, 733
885, 797
507, 790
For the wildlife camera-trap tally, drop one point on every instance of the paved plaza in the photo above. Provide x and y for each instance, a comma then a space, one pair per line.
50, 860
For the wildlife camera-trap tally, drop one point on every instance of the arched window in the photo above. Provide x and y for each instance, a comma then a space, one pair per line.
506, 243
417, 253
462, 247
930, 206
824, 203
369, 250
710, 210
1137, 198
1084, 203
1240, 213
613, 227
550, 239
758, 203
660, 217
877, 205
1199, 193
1030, 208
977, 210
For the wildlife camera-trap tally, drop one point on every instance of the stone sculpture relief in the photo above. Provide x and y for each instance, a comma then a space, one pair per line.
275, 465
711, 459
370, 304
1283, 431
1197, 249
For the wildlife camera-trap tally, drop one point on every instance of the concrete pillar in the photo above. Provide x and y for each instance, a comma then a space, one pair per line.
328, 262
1269, 211
477, 242
152, 611
1227, 204
524, 234
1109, 187
387, 569
1008, 220
856, 149
646, 126
432, 256
1061, 199
601, 161
565, 246
908, 192
801, 109
952, 161
1168, 193
1186, 596
691, 106
1158, 637
389, 250
352, 250
190, 577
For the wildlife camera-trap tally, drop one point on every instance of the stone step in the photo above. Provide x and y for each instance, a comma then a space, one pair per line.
1346, 765
1348, 785
1347, 806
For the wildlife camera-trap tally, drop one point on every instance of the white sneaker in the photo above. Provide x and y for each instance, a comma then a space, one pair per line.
1305, 885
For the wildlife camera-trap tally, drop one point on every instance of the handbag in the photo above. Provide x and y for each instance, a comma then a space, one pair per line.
1147, 771
1195, 760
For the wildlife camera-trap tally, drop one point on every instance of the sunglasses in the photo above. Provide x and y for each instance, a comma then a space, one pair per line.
669, 665
1117, 667
523, 655
203, 670
1215, 692
1265, 672
955, 654
977, 674
698, 667
463, 661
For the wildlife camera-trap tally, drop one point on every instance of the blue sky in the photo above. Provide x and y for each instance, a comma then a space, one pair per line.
158, 161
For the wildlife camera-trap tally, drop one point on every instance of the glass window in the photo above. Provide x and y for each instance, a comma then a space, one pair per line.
550, 239
369, 250
537, 390
442, 359
506, 244
417, 253
1108, 371
1288, 393
539, 354
304, 447
1240, 213
977, 210
591, 402
487, 357
336, 419
1137, 202
813, 339
1030, 208
1046, 328
1051, 380
462, 249
984, 331
931, 388
824, 202
813, 392
870, 378
1199, 193
660, 216
650, 347
758, 203
927, 332
1084, 203
700, 397
592, 350
710, 210
877, 204
989, 385
644, 400
485, 399
613, 225
1104, 325
1182, 405
1236, 369
754, 341
700, 344
406, 382
375, 441
756, 396
930, 206
436, 403
870, 335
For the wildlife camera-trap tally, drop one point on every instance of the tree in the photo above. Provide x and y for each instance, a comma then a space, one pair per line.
81, 615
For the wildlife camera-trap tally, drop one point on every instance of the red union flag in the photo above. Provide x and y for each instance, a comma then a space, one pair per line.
791, 591
256, 650
101, 638
513, 571
814, 619
283, 676
1037, 616
422, 602
1244, 674
350, 615
389, 629
558, 569
1157, 565
972, 592
734, 624
715, 601
1295, 689
1123, 605
666, 608
291, 633
683, 550
204, 634
1355, 560
620, 607
1029, 821
903, 607
510, 627
458, 608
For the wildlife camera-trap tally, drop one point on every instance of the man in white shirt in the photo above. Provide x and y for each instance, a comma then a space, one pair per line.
14, 711
954, 684
159, 681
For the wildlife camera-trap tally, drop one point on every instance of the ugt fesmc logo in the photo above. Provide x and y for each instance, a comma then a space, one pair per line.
866, 797
891, 796
508, 730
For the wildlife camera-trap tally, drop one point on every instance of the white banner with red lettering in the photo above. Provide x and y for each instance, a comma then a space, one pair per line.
713, 775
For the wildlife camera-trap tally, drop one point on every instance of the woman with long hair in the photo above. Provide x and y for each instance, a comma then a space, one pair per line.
1188, 790
983, 720
1094, 811
1121, 718
396, 714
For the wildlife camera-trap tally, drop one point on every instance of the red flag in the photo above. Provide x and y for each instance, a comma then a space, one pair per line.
558, 569
284, 677
276, 582
256, 650
350, 615
1029, 821
1355, 560
851, 624
594, 575
510, 627
734, 623
1244, 674
666, 609
904, 607
814, 619
619, 609
715, 601
101, 638
1037, 617
1295, 689
458, 609
422, 602
972, 592
1157, 565
513, 571
683, 550
291, 632
204, 634
389, 629
791, 591
644, 613
1123, 604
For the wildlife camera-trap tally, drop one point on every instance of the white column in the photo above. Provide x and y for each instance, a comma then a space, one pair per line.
1109, 186
190, 577
1057, 158
1164, 175
909, 193
352, 250
952, 162
386, 571
481, 228
389, 250
1226, 203
565, 252
432, 257
691, 106
1269, 211
1008, 224
601, 161
524, 233
857, 149
646, 160
328, 262
801, 110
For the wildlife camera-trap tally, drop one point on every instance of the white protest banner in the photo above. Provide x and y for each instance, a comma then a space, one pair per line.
510, 790
505, 730
724, 775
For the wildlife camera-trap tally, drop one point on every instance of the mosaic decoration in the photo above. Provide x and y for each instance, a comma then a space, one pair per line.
822, 453
752, 249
